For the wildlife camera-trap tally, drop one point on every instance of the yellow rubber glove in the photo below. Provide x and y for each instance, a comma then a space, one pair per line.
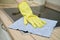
29, 17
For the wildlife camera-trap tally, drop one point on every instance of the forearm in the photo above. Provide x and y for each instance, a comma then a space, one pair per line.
24, 7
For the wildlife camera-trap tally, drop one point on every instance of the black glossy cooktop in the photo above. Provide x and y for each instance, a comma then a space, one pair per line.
45, 13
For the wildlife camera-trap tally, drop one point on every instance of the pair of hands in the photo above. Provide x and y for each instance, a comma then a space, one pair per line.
29, 17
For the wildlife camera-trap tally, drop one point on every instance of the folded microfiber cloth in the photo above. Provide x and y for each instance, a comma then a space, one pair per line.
44, 31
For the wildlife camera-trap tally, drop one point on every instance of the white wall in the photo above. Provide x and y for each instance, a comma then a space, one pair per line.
42, 2
56, 2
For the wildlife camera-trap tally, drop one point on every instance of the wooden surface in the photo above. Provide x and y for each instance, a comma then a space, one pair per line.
53, 6
8, 5
15, 5
32, 4
17, 35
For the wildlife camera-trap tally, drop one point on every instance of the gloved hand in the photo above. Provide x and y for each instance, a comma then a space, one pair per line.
29, 17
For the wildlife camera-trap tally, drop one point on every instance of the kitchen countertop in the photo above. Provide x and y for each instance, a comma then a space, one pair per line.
17, 35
